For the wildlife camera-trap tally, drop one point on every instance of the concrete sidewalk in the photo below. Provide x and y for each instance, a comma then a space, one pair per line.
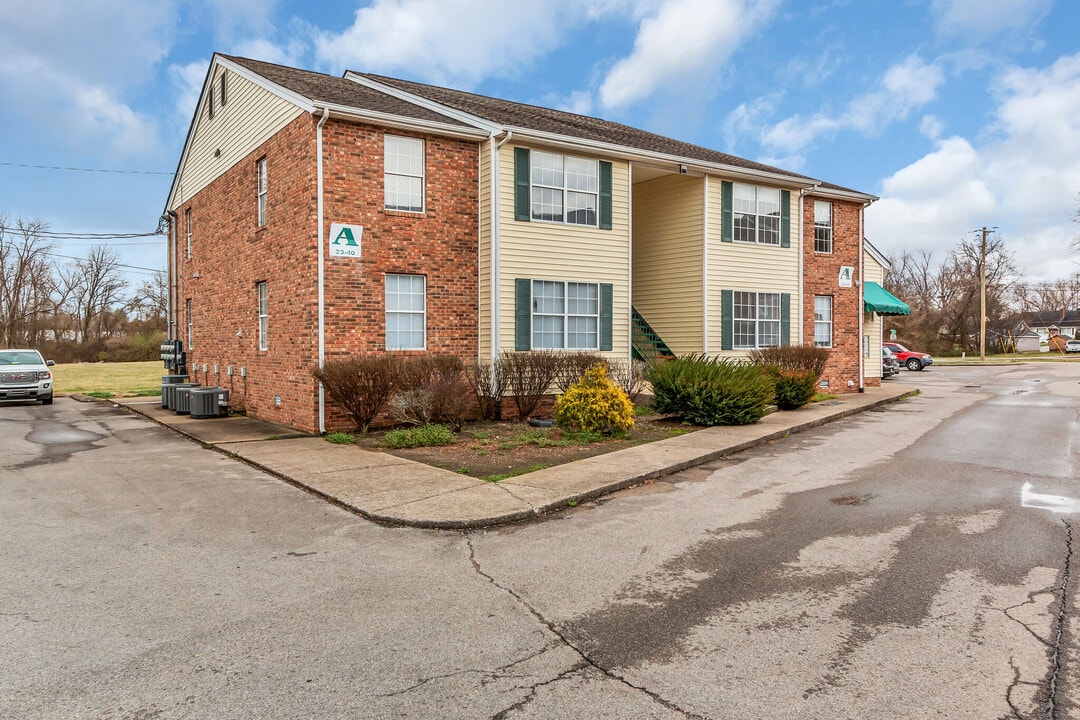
386, 488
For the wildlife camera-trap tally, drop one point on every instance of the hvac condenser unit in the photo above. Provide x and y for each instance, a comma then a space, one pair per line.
209, 402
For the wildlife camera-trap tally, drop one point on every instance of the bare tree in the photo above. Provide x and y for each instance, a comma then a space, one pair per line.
1061, 294
94, 288
26, 281
150, 303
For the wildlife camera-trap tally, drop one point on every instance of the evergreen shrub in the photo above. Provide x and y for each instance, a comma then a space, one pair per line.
711, 391
595, 404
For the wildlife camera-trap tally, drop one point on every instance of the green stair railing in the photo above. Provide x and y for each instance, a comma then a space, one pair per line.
645, 343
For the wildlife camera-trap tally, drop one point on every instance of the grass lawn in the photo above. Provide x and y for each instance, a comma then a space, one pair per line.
109, 379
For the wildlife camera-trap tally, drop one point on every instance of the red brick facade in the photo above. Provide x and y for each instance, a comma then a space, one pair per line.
231, 255
821, 273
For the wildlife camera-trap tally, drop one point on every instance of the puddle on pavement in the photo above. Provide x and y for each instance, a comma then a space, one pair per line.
1043, 501
59, 442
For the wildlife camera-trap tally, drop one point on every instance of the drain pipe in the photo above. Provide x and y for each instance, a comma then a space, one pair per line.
862, 303
172, 273
319, 251
803, 192
495, 329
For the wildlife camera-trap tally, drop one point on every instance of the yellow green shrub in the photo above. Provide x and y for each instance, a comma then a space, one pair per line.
595, 404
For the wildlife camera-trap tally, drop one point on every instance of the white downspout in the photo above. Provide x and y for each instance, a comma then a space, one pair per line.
705, 269
319, 251
802, 258
862, 304
495, 329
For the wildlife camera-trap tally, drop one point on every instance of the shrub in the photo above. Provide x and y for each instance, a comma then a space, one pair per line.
630, 376
430, 389
361, 385
708, 391
595, 404
528, 377
808, 358
423, 436
573, 366
794, 388
340, 438
487, 385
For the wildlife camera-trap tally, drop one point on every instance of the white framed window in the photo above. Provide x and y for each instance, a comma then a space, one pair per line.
190, 323
564, 189
403, 178
224, 97
756, 319
823, 306
264, 316
187, 225
823, 226
260, 169
406, 312
565, 315
756, 214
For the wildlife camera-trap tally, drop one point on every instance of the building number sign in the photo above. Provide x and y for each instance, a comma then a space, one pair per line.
345, 240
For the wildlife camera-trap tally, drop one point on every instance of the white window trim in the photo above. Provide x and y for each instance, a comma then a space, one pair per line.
261, 199
264, 315
388, 313
758, 217
566, 315
828, 322
758, 321
533, 155
827, 228
422, 176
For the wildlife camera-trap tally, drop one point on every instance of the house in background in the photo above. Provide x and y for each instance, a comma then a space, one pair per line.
1048, 324
315, 217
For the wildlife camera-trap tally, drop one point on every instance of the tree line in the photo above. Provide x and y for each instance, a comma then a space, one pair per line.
81, 310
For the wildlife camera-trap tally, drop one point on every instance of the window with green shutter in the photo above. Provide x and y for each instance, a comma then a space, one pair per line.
562, 189
562, 315
752, 320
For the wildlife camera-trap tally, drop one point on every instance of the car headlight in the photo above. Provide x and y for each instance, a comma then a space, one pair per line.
44, 375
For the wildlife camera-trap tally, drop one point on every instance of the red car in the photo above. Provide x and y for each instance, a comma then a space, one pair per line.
909, 358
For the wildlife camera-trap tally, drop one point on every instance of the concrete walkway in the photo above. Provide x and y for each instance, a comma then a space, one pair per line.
385, 488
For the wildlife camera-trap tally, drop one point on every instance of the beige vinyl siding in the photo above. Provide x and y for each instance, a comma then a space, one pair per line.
669, 232
250, 117
485, 251
749, 267
873, 324
554, 251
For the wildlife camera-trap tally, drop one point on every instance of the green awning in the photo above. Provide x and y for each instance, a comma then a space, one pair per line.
878, 299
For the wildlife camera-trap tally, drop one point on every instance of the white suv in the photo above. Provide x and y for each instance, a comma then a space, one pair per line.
25, 375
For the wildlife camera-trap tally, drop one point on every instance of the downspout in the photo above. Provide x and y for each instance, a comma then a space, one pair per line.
802, 258
705, 268
319, 252
495, 148
862, 304
172, 273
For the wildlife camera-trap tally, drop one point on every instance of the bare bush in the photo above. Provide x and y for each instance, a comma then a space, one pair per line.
629, 375
800, 358
486, 381
361, 385
528, 377
573, 366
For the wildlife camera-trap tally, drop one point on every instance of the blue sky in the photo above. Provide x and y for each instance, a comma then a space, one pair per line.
957, 113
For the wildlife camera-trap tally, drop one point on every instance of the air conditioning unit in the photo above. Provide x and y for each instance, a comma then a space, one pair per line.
209, 402
170, 380
168, 394
182, 406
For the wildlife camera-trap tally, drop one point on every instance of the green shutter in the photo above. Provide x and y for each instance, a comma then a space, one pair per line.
785, 318
522, 314
727, 219
605, 195
522, 200
785, 219
727, 323
606, 293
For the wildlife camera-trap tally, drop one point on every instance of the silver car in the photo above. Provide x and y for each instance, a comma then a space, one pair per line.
25, 375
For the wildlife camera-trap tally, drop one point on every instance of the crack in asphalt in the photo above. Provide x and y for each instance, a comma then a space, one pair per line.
586, 661
1059, 633
491, 673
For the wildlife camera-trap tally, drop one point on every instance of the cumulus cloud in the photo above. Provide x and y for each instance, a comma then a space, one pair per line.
457, 42
905, 87
978, 21
1023, 179
682, 40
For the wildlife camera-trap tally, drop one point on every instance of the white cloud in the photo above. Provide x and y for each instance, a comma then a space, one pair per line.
1024, 179
458, 42
977, 21
187, 81
904, 88
684, 40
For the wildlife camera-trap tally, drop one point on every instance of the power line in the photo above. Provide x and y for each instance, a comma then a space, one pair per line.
130, 267
56, 235
91, 170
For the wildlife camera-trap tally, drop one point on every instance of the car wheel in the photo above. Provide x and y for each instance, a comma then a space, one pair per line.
46, 401
914, 364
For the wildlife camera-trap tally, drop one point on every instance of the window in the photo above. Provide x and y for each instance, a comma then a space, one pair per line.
756, 319
756, 214
190, 324
210, 101
404, 173
822, 226
260, 167
565, 315
187, 224
264, 316
564, 189
223, 96
823, 320
406, 309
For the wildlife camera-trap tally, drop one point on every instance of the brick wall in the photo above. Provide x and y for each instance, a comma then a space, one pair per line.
231, 255
821, 273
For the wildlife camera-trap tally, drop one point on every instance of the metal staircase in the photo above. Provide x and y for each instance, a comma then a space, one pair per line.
645, 343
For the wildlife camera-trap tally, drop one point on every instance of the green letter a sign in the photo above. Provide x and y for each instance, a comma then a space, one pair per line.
345, 240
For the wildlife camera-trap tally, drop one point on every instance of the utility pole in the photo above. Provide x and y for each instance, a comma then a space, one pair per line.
982, 292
